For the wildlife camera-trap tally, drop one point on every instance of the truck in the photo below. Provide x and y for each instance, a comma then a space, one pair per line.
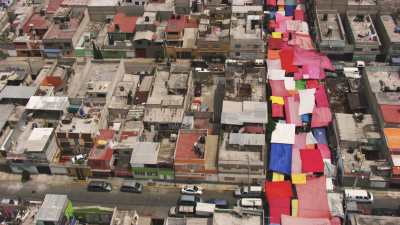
204, 209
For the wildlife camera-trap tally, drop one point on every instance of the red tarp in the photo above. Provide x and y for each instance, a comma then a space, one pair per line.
312, 84
311, 161
278, 88
321, 117
271, 2
391, 113
277, 111
313, 200
275, 43
278, 195
278, 189
277, 208
287, 55
299, 14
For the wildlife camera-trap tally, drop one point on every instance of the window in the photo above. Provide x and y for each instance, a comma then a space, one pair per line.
143, 3
237, 53
136, 3
358, 49
256, 46
237, 45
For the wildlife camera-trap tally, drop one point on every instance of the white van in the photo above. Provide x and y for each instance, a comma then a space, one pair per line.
358, 195
250, 203
351, 72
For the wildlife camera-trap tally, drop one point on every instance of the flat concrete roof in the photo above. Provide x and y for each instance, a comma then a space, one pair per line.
363, 28
334, 23
390, 25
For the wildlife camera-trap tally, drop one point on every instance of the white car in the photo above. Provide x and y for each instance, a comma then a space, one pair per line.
191, 190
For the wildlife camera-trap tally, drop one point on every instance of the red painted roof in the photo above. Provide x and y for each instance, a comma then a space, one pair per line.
105, 134
391, 113
184, 145
127, 24
175, 24
53, 6
38, 22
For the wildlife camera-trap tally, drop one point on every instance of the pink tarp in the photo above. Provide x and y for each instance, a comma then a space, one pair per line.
271, 2
296, 161
325, 151
321, 117
290, 220
311, 161
321, 99
278, 88
300, 140
292, 111
299, 14
313, 200
303, 57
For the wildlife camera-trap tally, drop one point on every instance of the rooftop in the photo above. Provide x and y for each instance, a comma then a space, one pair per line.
6, 111
390, 26
351, 130
38, 139
231, 156
237, 113
53, 208
17, 92
123, 23
58, 31
361, 2
36, 21
145, 153
383, 79
359, 219
176, 24
243, 139
47, 103
178, 81
330, 27
363, 29
87, 124
185, 145
102, 3
163, 115
234, 218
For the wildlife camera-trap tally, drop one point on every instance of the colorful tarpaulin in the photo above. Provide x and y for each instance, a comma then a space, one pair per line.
291, 220
278, 88
281, 158
287, 55
299, 178
321, 117
281, 189
320, 135
311, 161
296, 160
277, 111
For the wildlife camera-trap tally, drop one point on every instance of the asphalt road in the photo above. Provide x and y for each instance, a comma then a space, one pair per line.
153, 201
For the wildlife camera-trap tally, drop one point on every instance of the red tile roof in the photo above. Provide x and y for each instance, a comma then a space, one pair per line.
127, 24
175, 24
184, 145
53, 6
38, 22
391, 113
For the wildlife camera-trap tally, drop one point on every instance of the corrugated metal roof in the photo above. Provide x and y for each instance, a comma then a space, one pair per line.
52, 208
17, 92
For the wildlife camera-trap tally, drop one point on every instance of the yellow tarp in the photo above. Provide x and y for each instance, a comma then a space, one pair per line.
277, 177
276, 35
299, 178
277, 100
295, 207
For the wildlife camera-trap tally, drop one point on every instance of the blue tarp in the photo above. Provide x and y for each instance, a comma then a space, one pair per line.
320, 135
289, 10
281, 158
306, 118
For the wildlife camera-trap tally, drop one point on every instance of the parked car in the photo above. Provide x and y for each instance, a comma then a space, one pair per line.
131, 186
192, 190
190, 200
358, 195
219, 203
99, 186
248, 192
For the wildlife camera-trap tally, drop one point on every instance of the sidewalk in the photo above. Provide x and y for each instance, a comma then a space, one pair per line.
59, 180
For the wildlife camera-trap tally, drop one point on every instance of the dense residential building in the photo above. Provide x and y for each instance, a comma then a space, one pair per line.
390, 36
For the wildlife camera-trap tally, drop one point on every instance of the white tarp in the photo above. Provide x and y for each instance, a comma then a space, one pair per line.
310, 139
307, 101
284, 133
276, 74
274, 64
290, 84
335, 202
